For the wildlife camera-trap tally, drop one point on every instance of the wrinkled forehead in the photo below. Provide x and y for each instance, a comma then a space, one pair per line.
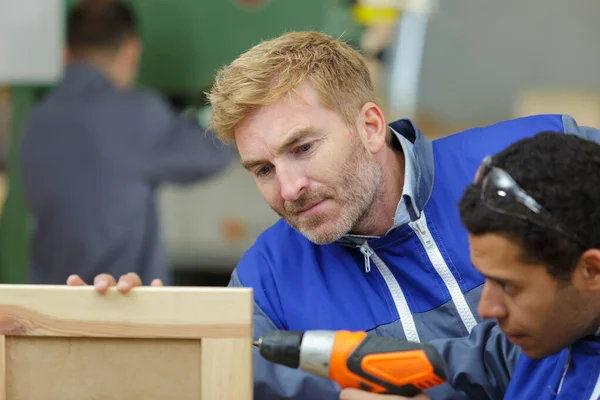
272, 126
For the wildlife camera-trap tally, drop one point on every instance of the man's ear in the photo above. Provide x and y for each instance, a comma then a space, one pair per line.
587, 272
372, 126
67, 55
132, 49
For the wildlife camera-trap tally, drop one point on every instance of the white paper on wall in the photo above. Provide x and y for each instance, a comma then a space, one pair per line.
31, 41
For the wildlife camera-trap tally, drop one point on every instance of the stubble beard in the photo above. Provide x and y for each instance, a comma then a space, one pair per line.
571, 314
355, 193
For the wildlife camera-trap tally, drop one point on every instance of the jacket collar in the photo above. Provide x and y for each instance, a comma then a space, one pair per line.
418, 171
418, 177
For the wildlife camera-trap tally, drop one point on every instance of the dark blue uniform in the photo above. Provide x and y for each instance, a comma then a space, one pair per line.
92, 157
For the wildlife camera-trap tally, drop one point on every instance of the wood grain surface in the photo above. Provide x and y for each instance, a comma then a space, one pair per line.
63, 343
145, 312
48, 368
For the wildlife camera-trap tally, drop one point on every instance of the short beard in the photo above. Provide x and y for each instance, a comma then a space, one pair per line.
356, 193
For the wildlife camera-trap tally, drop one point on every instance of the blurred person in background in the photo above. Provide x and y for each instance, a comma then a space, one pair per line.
95, 150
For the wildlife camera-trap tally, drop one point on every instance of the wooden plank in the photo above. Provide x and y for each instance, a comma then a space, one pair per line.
153, 343
91, 369
232, 379
145, 312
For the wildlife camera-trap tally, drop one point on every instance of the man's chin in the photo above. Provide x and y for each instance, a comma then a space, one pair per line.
318, 231
538, 353
321, 241
535, 355
319, 236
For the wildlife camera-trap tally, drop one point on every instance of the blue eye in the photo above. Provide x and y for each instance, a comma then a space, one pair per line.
304, 148
263, 170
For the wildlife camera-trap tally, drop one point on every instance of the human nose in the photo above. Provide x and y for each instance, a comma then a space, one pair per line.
292, 181
491, 304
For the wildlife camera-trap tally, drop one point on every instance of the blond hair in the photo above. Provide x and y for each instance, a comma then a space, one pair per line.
269, 70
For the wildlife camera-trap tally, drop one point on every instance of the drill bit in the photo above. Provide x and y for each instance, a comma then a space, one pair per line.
257, 342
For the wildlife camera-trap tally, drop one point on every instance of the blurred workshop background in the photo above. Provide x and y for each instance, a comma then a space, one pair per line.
449, 64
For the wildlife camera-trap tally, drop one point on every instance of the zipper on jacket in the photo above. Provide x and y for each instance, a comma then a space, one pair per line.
565, 370
406, 318
367, 252
596, 393
438, 262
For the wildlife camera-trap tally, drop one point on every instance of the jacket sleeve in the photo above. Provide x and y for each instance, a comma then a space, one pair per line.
479, 365
277, 382
180, 150
585, 132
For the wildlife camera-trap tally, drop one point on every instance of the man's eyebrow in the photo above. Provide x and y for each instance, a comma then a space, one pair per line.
499, 279
251, 163
292, 139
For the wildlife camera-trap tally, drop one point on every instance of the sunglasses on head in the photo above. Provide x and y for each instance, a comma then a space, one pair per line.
500, 193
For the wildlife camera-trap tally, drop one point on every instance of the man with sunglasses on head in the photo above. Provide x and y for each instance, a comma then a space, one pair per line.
532, 218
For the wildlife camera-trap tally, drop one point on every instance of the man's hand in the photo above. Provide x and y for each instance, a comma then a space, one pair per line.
103, 281
354, 394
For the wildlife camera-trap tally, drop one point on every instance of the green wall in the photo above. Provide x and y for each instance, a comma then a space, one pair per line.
14, 221
188, 40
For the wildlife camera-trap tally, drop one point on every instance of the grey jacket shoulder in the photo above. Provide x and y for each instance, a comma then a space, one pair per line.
140, 123
586, 132
481, 364
148, 101
178, 149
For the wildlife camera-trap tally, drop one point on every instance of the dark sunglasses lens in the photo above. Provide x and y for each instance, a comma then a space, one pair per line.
500, 192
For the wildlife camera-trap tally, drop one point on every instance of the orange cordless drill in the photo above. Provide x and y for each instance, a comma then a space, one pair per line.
354, 359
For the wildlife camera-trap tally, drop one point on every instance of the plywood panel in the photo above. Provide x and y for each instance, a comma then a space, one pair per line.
89, 368
231, 380
59, 342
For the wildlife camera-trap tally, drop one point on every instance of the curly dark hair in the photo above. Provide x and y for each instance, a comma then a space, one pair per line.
562, 173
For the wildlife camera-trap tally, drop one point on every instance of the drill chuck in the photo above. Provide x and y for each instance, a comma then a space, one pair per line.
311, 350
281, 347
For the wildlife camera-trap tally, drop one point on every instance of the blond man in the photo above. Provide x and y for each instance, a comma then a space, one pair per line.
370, 238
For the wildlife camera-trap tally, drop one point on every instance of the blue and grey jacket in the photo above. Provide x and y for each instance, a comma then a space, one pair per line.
573, 373
416, 282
